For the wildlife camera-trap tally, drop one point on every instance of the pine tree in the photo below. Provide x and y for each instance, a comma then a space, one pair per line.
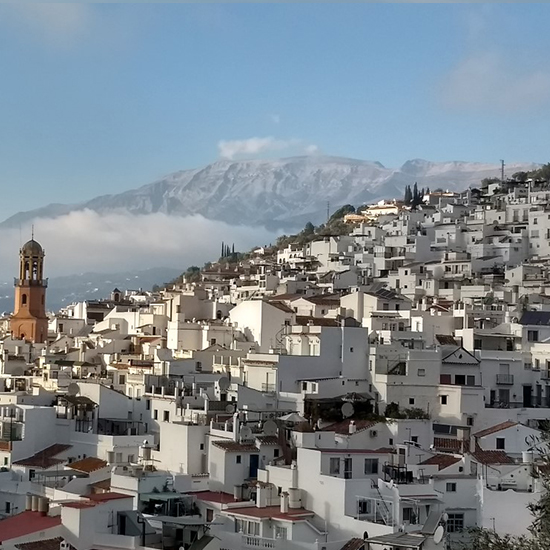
408, 195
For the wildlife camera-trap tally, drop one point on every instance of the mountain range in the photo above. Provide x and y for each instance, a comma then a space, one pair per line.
282, 193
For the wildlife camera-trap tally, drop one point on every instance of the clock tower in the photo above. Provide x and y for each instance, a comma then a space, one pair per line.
29, 320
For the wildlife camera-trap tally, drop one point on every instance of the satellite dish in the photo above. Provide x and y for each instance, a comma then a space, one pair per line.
73, 389
438, 535
245, 433
230, 409
270, 427
347, 410
224, 383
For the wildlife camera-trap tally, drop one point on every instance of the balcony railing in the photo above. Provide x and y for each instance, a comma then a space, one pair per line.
545, 374
505, 379
268, 388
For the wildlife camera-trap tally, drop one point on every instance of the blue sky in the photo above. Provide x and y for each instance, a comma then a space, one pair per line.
99, 98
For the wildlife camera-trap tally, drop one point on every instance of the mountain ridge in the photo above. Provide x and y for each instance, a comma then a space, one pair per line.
282, 193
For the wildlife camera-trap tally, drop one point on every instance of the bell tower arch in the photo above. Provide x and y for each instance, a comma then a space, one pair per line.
29, 320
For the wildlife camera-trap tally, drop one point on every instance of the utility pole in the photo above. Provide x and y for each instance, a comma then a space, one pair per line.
328, 211
502, 171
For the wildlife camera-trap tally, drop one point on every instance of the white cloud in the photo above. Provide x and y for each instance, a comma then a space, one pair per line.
87, 241
488, 81
229, 149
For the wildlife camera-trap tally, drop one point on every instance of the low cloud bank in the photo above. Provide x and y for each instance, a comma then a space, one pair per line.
87, 241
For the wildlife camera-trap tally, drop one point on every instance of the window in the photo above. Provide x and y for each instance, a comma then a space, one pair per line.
443, 399
385, 306
351, 350
238, 459
6, 461
455, 522
444, 378
450, 488
122, 379
131, 459
166, 416
533, 335
460, 379
334, 466
470, 380
391, 441
275, 453
280, 532
421, 372
411, 400
414, 438
24, 299
500, 441
201, 446
371, 466
156, 414
8, 507
148, 404
470, 421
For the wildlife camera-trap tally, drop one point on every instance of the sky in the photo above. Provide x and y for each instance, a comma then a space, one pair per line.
100, 98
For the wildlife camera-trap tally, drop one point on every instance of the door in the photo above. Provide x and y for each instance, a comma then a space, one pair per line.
347, 468
254, 462
527, 396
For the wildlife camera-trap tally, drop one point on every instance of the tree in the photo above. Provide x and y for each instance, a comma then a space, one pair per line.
309, 229
407, 198
520, 176
341, 212
193, 274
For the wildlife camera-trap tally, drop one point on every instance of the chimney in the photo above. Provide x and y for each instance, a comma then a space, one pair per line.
261, 496
284, 502
352, 427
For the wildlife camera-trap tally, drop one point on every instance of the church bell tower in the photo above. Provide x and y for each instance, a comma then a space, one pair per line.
29, 321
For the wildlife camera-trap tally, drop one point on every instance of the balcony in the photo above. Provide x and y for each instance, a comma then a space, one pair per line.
505, 379
268, 388
545, 374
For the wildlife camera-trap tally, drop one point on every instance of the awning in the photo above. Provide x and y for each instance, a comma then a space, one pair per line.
399, 540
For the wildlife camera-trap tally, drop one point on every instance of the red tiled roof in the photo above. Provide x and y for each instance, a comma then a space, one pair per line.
212, 496
451, 445
381, 451
280, 305
343, 426
354, 544
45, 457
105, 497
268, 439
303, 320
293, 514
234, 447
442, 461
88, 464
492, 457
48, 544
26, 523
496, 428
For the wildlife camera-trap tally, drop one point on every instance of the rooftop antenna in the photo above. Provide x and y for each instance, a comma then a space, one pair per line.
501, 170
32, 232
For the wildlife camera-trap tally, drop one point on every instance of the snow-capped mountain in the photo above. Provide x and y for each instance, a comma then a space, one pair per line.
278, 193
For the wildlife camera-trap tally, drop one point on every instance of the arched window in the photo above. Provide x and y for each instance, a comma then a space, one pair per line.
24, 299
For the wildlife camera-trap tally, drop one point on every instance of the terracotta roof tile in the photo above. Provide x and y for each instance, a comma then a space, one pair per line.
316, 321
44, 458
342, 427
354, 544
496, 428
442, 461
268, 439
234, 447
48, 544
88, 464
451, 445
26, 523
492, 457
